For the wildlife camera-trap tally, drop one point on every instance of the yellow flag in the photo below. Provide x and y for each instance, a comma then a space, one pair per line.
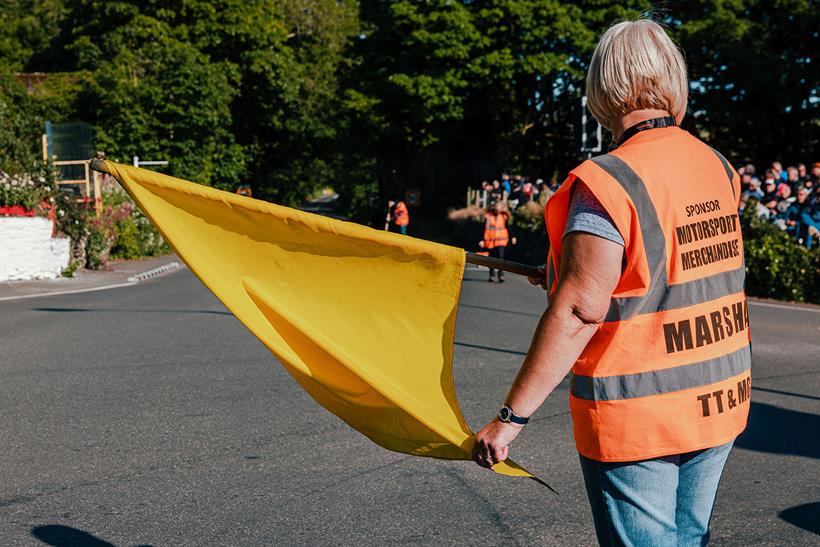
362, 319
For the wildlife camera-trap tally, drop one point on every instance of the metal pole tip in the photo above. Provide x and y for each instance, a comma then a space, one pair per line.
99, 165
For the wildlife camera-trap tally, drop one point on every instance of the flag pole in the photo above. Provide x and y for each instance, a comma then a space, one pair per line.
99, 166
504, 265
472, 258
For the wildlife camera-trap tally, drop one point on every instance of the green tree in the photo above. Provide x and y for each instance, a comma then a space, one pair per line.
163, 99
26, 29
755, 75
532, 66
447, 93
152, 93
227, 90
407, 95
296, 120
16, 136
373, 96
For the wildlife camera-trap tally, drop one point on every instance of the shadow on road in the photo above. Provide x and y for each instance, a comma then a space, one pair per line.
97, 310
781, 431
66, 536
806, 516
489, 348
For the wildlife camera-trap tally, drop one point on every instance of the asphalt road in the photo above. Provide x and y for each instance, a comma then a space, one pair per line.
148, 415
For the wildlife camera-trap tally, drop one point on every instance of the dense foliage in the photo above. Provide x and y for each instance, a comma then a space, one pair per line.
373, 96
777, 267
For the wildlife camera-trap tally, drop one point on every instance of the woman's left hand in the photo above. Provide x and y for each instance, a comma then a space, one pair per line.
492, 443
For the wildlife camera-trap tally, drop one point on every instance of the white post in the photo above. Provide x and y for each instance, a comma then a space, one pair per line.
136, 161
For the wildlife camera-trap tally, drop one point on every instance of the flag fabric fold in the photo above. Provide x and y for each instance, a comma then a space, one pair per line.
362, 319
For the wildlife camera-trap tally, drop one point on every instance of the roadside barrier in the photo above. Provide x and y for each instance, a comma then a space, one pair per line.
164, 269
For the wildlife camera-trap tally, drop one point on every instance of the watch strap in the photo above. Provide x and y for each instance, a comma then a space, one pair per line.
507, 415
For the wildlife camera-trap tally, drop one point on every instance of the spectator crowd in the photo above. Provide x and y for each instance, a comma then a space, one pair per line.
518, 190
788, 198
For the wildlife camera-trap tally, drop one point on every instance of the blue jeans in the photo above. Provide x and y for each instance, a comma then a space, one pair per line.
403, 229
664, 501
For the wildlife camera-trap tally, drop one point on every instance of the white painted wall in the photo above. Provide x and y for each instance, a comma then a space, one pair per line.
27, 250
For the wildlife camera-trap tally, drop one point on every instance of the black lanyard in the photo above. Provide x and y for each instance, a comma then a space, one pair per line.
654, 123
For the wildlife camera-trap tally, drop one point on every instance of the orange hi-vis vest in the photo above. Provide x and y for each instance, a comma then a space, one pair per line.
669, 369
495, 230
400, 214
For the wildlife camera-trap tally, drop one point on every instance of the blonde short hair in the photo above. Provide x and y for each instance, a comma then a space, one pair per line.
636, 66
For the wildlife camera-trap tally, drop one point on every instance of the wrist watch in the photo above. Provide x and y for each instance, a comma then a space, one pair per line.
507, 415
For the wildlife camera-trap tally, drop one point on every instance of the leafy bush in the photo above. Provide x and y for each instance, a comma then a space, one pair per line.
72, 221
127, 244
151, 241
16, 121
71, 269
118, 210
135, 234
776, 265
22, 190
31, 185
530, 217
97, 248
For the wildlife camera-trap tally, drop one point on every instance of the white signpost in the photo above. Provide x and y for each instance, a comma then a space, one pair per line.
140, 163
591, 136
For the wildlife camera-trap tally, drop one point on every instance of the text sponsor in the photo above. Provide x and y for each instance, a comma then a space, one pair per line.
718, 401
703, 207
706, 329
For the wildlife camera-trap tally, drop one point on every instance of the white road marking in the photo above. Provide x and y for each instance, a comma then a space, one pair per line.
70, 291
784, 306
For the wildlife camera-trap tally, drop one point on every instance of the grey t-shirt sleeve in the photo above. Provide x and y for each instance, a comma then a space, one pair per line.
586, 214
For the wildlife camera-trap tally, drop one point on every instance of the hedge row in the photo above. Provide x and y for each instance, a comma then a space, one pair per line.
777, 266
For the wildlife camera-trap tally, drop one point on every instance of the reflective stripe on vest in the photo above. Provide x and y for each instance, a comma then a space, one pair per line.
668, 371
495, 231
655, 382
661, 295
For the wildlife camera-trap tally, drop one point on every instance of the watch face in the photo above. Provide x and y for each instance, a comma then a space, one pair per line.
504, 415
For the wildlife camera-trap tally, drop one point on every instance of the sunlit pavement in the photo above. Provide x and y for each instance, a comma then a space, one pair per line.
148, 415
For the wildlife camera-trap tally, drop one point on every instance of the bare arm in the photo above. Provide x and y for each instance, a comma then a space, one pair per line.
590, 269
